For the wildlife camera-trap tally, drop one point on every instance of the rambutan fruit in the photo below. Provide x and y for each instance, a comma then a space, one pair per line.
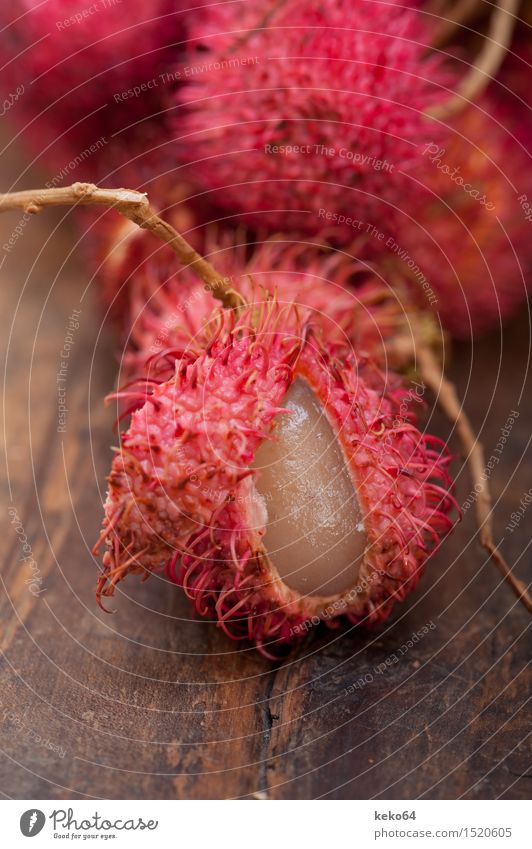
312, 116
274, 478
468, 237
158, 306
86, 73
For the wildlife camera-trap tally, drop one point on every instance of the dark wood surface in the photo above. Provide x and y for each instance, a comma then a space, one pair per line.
150, 703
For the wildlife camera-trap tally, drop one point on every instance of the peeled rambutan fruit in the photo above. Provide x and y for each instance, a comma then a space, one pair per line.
275, 478
86, 73
311, 114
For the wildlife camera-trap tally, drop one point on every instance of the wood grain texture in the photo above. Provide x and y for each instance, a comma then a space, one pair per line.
150, 703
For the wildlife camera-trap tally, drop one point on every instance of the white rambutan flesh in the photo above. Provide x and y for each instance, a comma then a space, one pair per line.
314, 536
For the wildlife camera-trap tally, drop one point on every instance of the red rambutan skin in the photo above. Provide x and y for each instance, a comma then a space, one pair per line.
181, 495
344, 85
468, 233
77, 72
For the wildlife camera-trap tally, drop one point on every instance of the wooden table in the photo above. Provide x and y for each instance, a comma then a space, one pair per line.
151, 703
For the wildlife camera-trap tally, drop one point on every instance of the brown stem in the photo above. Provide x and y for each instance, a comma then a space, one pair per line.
487, 64
134, 206
445, 393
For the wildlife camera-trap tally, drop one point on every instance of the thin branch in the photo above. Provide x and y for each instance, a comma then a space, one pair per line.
445, 392
134, 206
487, 64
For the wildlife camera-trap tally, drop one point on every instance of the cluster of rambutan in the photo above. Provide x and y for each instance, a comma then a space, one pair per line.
311, 120
273, 466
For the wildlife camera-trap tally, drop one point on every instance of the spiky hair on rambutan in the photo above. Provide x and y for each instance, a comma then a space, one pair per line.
274, 481
86, 73
310, 116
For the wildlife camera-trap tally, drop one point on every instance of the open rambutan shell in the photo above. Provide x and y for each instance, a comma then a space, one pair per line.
185, 494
